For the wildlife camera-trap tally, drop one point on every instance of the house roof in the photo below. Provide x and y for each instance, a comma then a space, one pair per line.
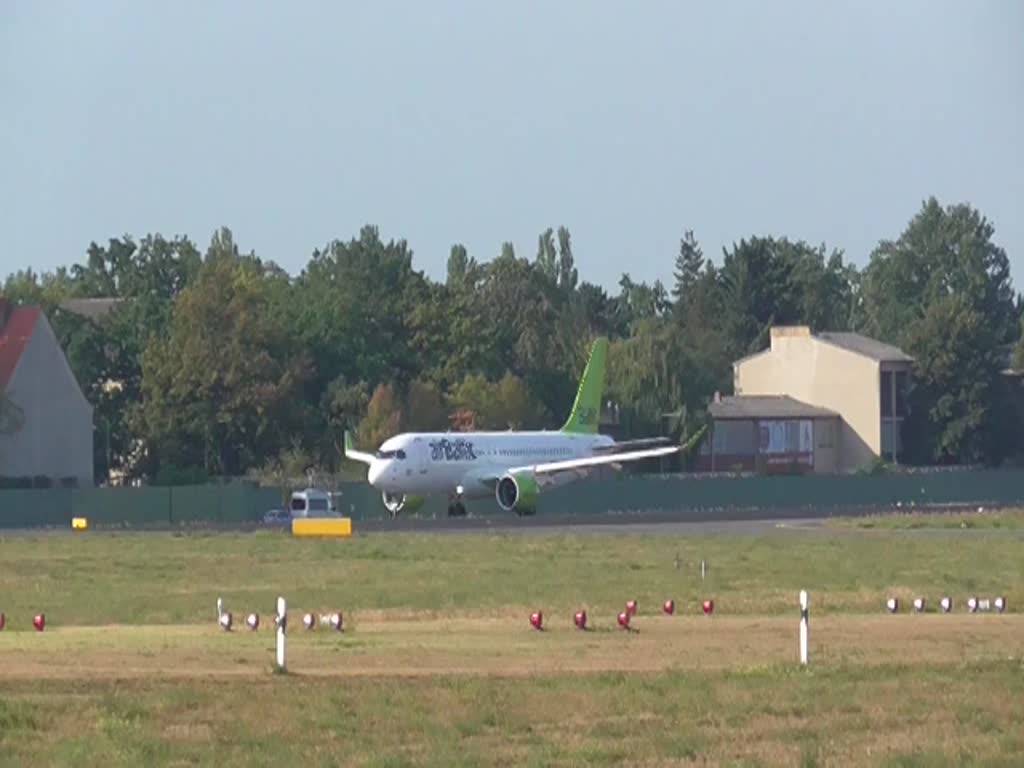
766, 407
14, 338
862, 345
93, 309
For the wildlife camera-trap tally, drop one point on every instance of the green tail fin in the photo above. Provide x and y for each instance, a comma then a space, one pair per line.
586, 411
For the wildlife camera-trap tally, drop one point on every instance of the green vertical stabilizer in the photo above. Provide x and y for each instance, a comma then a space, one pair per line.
586, 411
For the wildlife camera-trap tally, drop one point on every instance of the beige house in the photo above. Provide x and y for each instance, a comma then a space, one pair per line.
862, 381
45, 421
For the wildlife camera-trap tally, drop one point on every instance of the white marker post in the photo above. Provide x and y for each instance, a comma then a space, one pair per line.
220, 608
804, 615
282, 630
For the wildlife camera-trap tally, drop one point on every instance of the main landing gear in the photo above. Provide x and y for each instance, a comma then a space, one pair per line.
455, 506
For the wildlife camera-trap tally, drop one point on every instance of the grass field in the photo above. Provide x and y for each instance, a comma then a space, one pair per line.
439, 666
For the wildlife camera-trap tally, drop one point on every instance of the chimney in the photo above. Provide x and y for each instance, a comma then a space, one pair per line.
789, 332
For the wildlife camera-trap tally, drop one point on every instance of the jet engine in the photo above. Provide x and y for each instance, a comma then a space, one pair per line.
518, 492
401, 502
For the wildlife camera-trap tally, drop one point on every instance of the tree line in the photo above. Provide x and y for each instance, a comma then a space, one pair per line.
221, 363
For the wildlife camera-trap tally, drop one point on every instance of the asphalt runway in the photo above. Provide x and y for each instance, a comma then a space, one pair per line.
739, 522
749, 522
590, 527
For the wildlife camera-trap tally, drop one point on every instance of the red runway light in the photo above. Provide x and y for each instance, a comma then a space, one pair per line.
624, 619
709, 606
669, 607
39, 622
631, 607
580, 619
537, 620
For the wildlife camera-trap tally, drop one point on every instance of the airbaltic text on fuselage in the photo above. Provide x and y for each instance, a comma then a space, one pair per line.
458, 449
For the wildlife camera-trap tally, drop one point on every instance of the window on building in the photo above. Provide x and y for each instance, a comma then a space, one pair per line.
902, 385
792, 437
885, 384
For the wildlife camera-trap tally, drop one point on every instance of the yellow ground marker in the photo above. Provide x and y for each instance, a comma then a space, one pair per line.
322, 527
79, 523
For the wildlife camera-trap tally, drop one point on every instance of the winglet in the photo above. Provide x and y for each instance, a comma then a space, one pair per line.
351, 453
586, 410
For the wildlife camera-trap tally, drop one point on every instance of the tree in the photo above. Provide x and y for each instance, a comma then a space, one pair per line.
650, 374
222, 390
356, 300
600, 312
951, 415
942, 292
342, 406
567, 274
460, 267
637, 302
48, 290
508, 251
688, 269
384, 418
547, 259
504, 404
105, 351
425, 407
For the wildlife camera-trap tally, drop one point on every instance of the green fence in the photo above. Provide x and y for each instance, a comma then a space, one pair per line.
139, 507
243, 503
624, 493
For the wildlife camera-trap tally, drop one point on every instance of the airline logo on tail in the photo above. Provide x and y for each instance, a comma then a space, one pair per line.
586, 410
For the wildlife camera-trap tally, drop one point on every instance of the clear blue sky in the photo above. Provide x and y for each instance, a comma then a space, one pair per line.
446, 122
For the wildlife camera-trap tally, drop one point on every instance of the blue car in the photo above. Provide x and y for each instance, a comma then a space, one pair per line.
278, 518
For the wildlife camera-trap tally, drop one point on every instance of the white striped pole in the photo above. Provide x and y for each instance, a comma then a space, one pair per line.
804, 615
282, 629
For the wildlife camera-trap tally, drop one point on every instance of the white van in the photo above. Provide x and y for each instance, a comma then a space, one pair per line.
312, 502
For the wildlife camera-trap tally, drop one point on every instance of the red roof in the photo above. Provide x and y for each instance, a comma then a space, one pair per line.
14, 338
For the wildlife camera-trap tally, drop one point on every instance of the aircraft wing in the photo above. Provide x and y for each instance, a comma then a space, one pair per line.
630, 445
571, 465
352, 453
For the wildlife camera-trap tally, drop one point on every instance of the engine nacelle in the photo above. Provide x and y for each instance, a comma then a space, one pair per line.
401, 502
518, 492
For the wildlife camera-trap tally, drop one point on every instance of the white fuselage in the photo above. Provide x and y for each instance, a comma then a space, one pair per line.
457, 462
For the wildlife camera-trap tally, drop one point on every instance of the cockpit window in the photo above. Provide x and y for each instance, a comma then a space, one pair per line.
399, 454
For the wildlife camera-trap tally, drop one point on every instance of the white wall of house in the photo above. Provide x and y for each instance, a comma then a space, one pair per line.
56, 439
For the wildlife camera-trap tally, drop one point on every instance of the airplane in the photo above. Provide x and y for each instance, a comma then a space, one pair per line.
514, 466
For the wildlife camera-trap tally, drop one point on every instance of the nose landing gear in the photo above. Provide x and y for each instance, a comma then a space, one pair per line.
455, 506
